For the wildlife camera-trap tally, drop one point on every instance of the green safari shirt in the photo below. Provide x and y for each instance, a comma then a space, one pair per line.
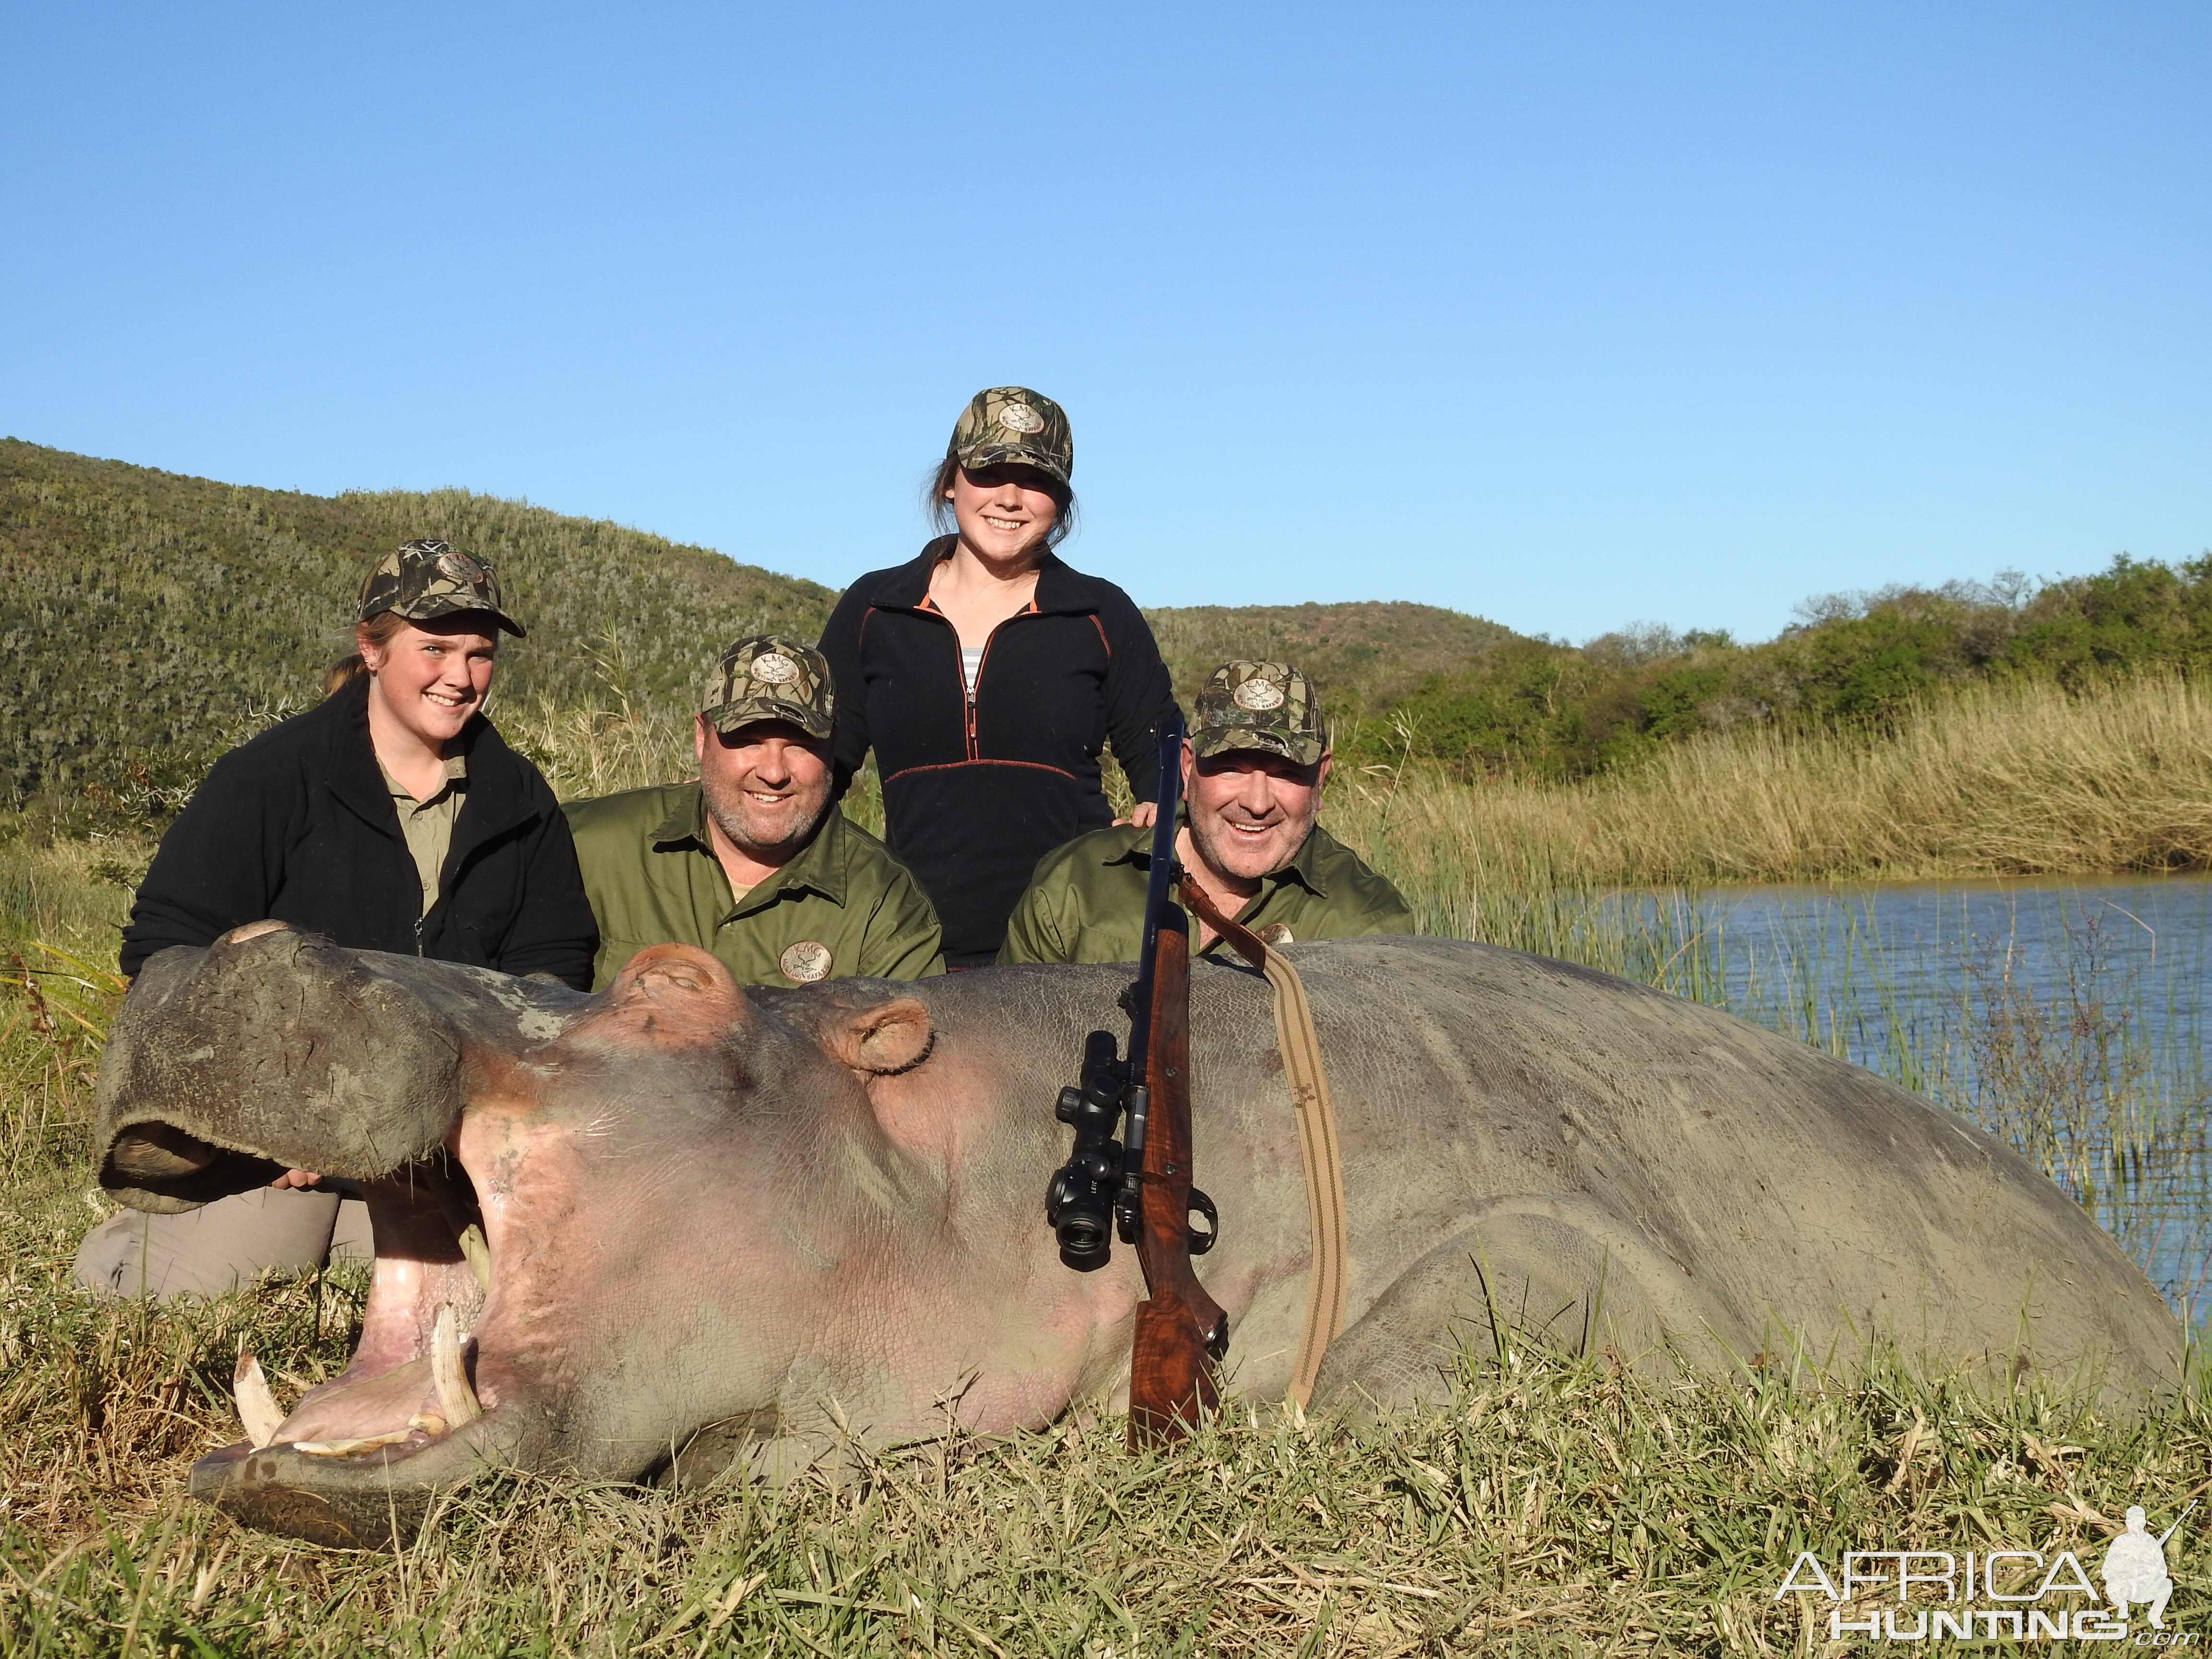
842, 906
1086, 901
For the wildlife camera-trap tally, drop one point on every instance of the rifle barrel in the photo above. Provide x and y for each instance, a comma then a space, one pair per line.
1159, 884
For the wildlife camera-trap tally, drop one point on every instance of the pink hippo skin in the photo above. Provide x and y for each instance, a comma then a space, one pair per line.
735, 1227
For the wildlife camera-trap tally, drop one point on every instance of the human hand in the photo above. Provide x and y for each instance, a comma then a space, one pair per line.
296, 1178
1143, 816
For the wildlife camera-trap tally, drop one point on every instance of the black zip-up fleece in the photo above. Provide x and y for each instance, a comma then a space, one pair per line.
298, 825
974, 794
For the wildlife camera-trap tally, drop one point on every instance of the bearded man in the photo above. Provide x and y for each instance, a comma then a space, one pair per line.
750, 862
1253, 768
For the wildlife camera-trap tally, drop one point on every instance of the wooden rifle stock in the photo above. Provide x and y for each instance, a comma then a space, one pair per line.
1181, 1330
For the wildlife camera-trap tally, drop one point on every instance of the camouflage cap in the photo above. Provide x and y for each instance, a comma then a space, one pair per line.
1266, 706
766, 677
1013, 423
420, 580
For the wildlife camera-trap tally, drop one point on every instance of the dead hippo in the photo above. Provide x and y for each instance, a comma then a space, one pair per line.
729, 1224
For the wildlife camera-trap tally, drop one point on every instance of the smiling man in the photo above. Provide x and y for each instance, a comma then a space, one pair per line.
1253, 769
750, 861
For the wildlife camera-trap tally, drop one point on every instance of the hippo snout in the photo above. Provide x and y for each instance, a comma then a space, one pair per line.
270, 1049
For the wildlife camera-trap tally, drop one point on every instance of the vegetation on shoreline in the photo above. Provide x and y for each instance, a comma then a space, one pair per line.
1854, 663
2006, 780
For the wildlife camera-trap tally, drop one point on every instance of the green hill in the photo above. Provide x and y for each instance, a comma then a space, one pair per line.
148, 619
1362, 656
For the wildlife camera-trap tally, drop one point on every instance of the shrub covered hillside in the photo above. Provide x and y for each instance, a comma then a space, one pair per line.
1364, 657
1853, 661
147, 619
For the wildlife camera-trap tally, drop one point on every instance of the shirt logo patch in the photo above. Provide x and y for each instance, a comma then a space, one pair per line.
1257, 695
1020, 418
773, 668
806, 962
1277, 933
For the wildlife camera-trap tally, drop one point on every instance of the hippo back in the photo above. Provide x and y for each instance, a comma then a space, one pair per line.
1536, 1148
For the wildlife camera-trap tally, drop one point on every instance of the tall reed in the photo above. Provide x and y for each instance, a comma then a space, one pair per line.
1999, 780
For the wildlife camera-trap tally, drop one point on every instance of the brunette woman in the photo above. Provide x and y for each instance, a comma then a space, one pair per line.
389, 817
987, 676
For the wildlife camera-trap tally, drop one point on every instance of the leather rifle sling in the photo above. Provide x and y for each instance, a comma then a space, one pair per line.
1309, 1086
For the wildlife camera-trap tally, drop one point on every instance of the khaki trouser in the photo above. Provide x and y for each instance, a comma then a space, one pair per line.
220, 1246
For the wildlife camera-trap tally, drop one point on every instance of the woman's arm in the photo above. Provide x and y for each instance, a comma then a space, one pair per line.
1139, 694
841, 645
218, 865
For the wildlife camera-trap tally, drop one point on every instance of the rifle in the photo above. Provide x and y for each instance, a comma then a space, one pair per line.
2178, 1520
1181, 1330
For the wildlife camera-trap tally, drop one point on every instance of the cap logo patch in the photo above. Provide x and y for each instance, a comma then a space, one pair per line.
773, 668
1020, 418
1257, 695
806, 962
458, 566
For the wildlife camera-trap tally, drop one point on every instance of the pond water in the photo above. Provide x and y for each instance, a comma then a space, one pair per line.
2067, 1016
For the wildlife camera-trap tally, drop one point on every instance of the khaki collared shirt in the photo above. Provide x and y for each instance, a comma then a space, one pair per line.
1086, 901
428, 824
842, 905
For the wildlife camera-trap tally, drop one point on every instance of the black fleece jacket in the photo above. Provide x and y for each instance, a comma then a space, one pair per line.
974, 795
298, 825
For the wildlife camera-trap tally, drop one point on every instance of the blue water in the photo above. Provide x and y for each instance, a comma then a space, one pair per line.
2068, 1015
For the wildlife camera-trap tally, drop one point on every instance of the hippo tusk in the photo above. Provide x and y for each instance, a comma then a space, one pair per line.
477, 1252
257, 1407
457, 1400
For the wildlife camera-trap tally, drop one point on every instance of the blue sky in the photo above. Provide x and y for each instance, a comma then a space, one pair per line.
1568, 315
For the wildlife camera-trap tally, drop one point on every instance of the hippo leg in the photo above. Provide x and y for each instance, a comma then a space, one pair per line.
1562, 1273
739, 1449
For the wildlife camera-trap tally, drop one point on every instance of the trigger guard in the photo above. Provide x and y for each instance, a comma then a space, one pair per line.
1201, 1204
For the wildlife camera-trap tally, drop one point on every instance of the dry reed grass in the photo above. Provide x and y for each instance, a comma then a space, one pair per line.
2003, 780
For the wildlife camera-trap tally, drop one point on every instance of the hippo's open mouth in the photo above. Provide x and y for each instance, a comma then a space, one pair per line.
355, 1460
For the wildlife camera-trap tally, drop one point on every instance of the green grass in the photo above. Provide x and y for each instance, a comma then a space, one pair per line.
1552, 1506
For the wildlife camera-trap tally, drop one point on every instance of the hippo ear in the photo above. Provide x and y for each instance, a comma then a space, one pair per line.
889, 1037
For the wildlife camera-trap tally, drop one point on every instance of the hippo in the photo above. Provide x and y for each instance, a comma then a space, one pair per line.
683, 1230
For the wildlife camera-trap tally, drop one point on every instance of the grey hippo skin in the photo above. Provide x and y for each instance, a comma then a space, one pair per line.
727, 1226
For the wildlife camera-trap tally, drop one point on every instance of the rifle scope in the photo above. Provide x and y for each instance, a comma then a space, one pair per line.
1079, 1202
